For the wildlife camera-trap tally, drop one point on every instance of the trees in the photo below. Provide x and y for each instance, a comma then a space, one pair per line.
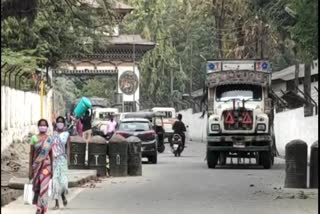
45, 31
183, 30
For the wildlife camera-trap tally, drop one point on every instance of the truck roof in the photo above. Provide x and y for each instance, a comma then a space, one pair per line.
224, 72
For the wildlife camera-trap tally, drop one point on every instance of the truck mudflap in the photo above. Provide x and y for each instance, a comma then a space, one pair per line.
253, 143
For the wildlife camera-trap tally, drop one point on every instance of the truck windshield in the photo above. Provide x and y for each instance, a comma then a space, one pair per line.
239, 92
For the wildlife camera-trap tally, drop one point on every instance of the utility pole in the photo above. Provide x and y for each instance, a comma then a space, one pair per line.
191, 67
307, 89
41, 95
171, 82
261, 37
296, 76
134, 65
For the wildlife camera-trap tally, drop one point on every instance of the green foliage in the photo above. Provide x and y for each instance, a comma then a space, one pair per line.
41, 33
305, 30
100, 87
181, 36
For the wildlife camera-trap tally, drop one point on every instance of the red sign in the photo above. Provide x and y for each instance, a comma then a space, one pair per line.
246, 118
229, 118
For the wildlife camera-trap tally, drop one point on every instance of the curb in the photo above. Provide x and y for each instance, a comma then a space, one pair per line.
9, 195
82, 181
15, 190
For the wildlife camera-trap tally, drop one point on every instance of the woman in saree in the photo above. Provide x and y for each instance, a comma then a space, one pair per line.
40, 168
60, 162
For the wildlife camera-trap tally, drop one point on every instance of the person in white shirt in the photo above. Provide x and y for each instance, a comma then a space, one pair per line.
111, 126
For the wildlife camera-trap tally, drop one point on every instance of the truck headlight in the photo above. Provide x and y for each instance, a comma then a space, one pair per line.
261, 127
215, 127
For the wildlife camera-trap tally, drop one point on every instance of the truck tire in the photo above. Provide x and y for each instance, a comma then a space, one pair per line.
212, 159
266, 159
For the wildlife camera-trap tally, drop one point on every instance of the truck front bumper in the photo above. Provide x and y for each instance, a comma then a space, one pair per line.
235, 143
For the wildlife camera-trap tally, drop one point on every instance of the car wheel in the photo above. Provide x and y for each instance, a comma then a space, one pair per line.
153, 159
212, 159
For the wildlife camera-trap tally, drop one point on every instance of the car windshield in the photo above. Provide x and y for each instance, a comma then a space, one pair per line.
133, 126
239, 92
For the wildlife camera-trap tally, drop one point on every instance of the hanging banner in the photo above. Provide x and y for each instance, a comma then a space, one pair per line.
234, 77
85, 71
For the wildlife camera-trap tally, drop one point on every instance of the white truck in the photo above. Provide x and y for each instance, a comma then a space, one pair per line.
240, 112
169, 117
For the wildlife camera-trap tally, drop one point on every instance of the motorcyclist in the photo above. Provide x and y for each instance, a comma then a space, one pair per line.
179, 128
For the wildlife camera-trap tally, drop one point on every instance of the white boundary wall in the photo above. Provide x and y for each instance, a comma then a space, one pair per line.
20, 112
197, 130
289, 125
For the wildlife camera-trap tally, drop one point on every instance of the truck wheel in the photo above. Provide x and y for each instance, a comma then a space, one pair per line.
266, 159
222, 158
212, 159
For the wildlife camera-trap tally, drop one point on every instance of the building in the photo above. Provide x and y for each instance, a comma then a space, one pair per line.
119, 58
283, 84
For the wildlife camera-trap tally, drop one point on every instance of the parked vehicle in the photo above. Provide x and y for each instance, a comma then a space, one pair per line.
177, 146
141, 128
100, 118
157, 123
169, 117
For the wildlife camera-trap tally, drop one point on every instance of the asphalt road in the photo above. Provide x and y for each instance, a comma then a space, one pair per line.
186, 185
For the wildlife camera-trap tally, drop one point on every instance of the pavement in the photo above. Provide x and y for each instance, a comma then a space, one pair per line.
185, 185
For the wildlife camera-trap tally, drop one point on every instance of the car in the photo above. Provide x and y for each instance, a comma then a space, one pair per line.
141, 128
156, 120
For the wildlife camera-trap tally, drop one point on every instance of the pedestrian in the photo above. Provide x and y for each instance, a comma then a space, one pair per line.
86, 126
60, 162
77, 124
40, 166
111, 126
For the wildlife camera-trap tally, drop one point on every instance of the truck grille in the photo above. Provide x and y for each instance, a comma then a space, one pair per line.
240, 119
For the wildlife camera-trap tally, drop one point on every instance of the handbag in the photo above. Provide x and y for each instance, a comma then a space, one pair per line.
28, 194
50, 188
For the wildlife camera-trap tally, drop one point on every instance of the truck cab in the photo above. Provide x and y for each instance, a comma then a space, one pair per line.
240, 116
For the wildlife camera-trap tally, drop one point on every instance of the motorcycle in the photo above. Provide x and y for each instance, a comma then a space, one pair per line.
177, 146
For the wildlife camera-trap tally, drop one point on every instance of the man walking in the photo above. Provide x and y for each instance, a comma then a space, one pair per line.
111, 126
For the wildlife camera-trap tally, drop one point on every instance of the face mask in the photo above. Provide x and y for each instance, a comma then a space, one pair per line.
43, 129
60, 125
